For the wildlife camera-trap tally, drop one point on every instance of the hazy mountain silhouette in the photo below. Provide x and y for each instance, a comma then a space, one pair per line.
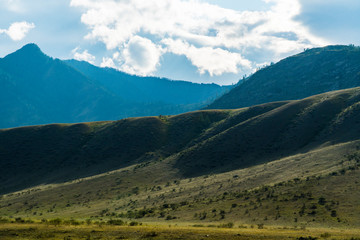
150, 89
37, 89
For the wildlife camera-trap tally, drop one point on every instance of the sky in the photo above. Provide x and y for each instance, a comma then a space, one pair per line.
204, 41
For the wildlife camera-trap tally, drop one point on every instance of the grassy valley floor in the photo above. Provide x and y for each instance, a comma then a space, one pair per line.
43, 231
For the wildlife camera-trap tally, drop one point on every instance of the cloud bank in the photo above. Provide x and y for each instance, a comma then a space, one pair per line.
216, 40
18, 30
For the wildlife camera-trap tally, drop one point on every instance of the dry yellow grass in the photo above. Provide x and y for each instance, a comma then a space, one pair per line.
88, 197
160, 232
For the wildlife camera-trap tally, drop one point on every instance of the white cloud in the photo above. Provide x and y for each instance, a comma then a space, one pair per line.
216, 40
83, 56
215, 61
107, 62
139, 56
18, 30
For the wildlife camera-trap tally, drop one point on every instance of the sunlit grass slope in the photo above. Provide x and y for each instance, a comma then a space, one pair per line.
292, 163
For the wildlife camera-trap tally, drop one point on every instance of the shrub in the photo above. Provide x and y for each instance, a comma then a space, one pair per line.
162, 214
72, 222
118, 222
150, 235
198, 225
56, 221
133, 223
260, 226
227, 225
325, 235
307, 238
333, 213
4, 220
322, 201
135, 190
19, 220
170, 217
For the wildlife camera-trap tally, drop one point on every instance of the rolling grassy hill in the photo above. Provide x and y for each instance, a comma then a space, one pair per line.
293, 163
311, 72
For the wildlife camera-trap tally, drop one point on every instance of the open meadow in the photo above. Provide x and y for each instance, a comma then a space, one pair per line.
32, 231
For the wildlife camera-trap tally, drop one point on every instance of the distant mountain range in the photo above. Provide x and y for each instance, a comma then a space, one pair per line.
37, 89
311, 72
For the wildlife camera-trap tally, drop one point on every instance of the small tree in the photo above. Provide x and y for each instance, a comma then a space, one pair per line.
322, 201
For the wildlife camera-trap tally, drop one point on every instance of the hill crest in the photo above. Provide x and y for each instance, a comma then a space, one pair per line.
197, 143
311, 72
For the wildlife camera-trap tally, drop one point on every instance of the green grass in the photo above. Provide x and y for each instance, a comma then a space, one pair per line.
293, 164
311, 72
271, 194
198, 143
62, 152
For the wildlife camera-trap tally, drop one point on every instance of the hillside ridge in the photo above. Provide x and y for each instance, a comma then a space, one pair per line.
198, 143
311, 72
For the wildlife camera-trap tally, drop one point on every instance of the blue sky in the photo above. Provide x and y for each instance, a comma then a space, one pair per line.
196, 40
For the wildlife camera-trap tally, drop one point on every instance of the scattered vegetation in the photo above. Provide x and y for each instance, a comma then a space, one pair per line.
100, 231
294, 179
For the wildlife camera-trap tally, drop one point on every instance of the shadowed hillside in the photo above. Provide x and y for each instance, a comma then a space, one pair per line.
195, 143
311, 72
290, 128
290, 163
59, 152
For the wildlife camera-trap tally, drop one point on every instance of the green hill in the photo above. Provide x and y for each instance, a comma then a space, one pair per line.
308, 73
59, 152
290, 163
